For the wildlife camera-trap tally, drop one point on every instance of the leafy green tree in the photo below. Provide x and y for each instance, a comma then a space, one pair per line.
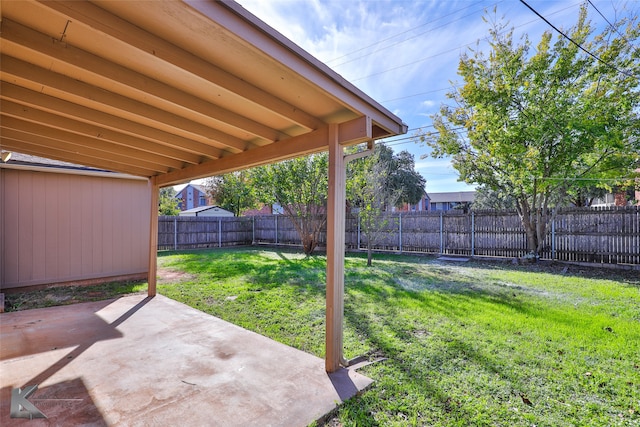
537, 125
299, 186
401, 182
487, 198
233, 191
378, 182
583, 196
167, 202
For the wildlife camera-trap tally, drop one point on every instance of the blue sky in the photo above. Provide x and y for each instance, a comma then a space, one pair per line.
405, 53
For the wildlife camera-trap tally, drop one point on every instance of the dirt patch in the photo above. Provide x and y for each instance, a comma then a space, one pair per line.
166, 275
65, 295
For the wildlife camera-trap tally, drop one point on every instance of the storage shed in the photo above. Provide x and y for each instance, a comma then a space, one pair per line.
61, 222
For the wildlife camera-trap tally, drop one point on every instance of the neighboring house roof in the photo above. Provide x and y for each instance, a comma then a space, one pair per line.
211, 209
454, 196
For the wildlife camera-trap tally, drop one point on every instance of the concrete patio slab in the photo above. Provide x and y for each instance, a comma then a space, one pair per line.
153, 361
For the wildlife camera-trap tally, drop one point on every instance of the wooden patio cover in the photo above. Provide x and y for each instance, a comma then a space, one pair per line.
178, 90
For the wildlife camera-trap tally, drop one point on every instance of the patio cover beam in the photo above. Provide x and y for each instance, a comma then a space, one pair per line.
351, 132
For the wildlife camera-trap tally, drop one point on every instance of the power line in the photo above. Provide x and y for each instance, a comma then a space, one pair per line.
575, 43
421, 93
446, 51
413, 62
412, 37
411, 138
395, 35
550, 178
612, 26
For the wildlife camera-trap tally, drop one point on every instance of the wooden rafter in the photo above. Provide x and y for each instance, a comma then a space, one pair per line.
158, 138
147, 43
48, 124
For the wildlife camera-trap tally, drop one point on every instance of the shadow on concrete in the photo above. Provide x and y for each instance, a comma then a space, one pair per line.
343, 384
66, 403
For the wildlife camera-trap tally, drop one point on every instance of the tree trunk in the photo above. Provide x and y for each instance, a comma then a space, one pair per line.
369, 253
532, 239
529, 224
308, 243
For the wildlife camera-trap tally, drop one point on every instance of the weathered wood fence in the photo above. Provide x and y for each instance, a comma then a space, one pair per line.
607, 236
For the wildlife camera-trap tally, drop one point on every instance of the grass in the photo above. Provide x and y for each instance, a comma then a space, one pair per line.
474, 344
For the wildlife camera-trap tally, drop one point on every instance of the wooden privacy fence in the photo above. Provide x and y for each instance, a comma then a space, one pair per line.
192, 232
608, 236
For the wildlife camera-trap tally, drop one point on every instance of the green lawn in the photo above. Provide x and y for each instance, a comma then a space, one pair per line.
466, 344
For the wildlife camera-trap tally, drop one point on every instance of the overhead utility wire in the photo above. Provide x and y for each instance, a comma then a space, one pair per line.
410, 38
401, 33
575, 43
612, 26
413, 62
569, 178
444, 52
411, 138
421, 93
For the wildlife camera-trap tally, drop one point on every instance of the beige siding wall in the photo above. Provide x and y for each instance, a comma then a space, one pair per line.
58, 227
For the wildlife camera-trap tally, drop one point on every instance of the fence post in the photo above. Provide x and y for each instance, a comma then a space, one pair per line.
400, 231
553, 238
219, 231
473, 234
441, 234
175, 233
276, 217
253, 230
358, 230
